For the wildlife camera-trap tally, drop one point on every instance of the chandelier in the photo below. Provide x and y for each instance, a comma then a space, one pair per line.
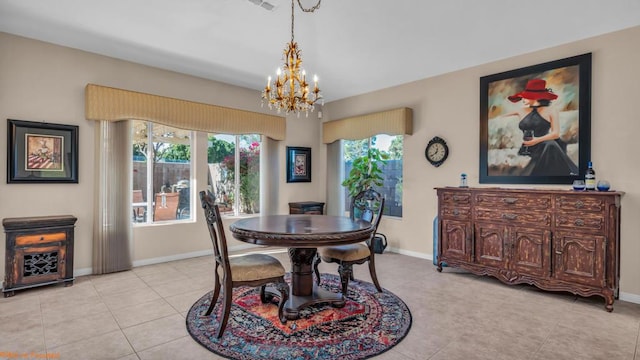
290, 91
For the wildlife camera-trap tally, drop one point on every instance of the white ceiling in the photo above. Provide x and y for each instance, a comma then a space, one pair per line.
355, 46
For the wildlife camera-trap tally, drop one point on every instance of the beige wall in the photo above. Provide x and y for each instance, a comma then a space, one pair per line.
44, 82
448, 106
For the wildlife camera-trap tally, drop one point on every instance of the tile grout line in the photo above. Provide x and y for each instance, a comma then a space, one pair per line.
44, 336
163, 317
545, 341
115, 320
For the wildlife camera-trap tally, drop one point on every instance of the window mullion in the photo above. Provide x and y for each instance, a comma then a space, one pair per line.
236, 180
150, 160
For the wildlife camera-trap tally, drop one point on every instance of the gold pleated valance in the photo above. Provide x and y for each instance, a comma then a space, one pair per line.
390, 122
111, 104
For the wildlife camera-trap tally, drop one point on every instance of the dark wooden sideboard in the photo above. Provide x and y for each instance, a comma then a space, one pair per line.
558, 240
306, 207
39, 251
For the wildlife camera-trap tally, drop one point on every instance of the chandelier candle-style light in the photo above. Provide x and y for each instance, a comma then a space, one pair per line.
290, 90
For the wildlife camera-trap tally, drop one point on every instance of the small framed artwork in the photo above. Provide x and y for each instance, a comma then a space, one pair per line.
298, 164
39, 152
535, 123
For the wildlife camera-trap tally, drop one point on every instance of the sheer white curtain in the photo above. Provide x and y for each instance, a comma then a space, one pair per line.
269, 179
335, 174
112, 217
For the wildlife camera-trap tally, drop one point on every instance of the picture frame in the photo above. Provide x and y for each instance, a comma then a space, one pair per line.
40, 152
562, 91
298, 164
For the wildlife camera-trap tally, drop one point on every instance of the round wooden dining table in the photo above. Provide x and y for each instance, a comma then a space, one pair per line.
303, 234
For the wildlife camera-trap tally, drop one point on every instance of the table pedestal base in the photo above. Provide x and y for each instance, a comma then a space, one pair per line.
303, 290
319, 296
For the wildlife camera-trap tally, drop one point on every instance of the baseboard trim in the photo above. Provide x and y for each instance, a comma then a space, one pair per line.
163, 259
412, 253
190, 255
632, 298
628, 297
82, 272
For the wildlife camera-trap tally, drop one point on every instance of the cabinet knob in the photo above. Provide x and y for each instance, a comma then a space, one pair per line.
41, 238
579, 204
579, 222
509, 200
509, 216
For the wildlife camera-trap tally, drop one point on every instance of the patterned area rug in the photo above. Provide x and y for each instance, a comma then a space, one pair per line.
369, 324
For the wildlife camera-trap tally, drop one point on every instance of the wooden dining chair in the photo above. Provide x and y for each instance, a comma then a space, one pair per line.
368, 206
246, 270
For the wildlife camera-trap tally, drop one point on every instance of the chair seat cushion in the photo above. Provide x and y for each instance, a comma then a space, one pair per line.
254, 267
349, 252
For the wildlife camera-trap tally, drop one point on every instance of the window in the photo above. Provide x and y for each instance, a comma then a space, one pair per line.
391, 169
161, 173
234, 172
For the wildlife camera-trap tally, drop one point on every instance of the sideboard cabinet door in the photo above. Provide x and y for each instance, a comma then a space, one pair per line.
455, 240
491, 245
531, 251
580, 258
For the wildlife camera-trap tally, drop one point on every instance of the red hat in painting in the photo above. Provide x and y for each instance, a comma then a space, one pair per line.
536, 89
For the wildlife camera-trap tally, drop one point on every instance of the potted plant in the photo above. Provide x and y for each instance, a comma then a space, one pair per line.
365, 172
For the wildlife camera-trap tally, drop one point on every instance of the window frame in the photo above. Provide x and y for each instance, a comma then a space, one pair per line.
236, 181
149, 191
345, 192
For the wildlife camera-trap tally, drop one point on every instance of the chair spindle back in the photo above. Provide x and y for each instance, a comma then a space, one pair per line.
367, 205
216, 231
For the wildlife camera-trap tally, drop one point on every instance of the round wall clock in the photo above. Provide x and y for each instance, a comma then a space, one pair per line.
437, 151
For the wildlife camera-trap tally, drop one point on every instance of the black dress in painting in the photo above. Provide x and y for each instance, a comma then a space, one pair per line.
548, 158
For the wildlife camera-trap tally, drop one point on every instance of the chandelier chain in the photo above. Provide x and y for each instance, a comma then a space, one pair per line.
292, 8
311, 9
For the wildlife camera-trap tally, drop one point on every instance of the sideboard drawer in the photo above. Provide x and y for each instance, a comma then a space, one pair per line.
455, 212
584, 221
516, 217
456, 197
513, 201
582, 203
34, 239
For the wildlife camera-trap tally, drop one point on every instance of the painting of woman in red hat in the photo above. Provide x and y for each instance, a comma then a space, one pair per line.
535, 123
540, 124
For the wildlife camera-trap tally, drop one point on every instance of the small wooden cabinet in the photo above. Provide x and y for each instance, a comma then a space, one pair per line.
553, 239
306, 207
39, 251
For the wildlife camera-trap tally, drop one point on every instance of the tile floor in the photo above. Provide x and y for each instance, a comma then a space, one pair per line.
140, 314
